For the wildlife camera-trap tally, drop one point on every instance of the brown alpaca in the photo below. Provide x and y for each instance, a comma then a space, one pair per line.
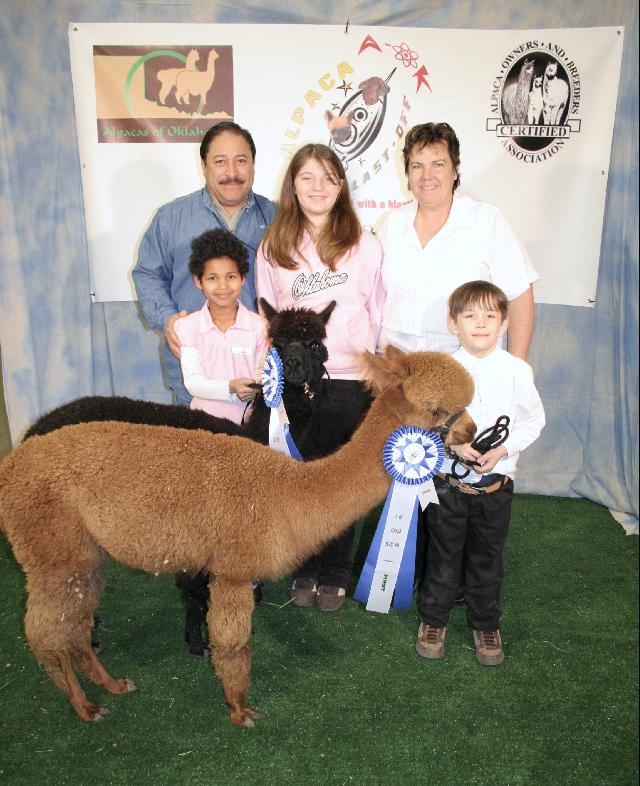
162, 500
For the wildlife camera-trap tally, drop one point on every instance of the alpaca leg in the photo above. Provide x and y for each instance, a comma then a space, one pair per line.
90, 586
96, 672
195, 588
60, 668
229, 620
56, 625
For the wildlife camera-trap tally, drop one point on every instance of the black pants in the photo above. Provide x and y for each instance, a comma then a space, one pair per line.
342, 405
482, 522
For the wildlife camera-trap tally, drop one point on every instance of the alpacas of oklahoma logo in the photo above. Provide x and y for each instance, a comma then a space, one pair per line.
363, 104
161, 94
536, 95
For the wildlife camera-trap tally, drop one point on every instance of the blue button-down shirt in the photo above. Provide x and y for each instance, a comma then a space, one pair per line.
161, 275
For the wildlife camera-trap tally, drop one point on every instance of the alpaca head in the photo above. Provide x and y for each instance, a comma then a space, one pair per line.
298, 334
430, 387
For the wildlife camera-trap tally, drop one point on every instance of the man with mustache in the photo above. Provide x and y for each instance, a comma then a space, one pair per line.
165, 287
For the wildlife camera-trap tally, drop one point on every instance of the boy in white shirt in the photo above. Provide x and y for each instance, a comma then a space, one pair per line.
475, 506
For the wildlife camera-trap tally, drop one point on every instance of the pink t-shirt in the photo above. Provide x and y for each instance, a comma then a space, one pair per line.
210, 358
356, 286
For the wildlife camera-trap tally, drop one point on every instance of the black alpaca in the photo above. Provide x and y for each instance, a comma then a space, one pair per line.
298, 334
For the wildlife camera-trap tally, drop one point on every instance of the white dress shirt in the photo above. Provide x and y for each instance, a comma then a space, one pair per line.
503, 386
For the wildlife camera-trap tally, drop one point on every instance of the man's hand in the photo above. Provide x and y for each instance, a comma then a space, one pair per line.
169, 333
241, 388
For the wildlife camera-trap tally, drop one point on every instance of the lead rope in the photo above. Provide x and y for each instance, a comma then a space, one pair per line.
490, 438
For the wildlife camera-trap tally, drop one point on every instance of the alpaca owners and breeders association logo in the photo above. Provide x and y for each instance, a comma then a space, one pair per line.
536, 95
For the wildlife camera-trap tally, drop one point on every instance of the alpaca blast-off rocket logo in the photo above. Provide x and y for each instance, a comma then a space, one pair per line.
364, 103
161, 94
537, 97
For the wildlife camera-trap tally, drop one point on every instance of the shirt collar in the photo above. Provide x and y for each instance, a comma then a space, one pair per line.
212, 203
459, 215
470, 359
243, 319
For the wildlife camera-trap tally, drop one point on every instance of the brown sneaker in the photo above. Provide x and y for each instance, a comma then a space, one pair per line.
303, 592
430, 643
489, 650
330, 598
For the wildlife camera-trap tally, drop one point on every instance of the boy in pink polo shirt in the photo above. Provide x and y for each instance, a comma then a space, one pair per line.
223, 343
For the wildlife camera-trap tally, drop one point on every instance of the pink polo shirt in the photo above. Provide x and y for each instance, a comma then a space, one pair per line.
210, 358
356, 286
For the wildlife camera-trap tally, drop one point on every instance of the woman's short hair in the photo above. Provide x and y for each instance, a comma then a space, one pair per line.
430, 134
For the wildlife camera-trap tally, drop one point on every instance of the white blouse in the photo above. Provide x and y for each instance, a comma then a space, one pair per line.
476, 242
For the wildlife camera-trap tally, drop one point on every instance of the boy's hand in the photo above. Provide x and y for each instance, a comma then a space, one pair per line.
488, 460
465, 452
241, 388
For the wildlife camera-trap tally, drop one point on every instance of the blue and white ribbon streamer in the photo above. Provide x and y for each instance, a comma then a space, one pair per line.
412, 456
280, 437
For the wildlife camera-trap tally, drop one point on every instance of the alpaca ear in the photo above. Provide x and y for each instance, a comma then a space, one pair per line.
382, 371
398, 359
267, 308
327, 311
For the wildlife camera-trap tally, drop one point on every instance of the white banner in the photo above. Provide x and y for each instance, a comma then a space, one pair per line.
146, 93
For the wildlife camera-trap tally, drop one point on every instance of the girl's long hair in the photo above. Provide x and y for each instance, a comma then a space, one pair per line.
342, 230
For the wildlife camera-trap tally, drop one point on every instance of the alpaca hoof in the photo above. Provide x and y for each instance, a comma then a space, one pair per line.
118, 687
98, 622
98, 714
199, 648
130, 686
96, 646
245, 718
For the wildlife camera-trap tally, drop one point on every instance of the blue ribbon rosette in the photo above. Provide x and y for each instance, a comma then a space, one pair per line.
412, 456
272, 378
280, 437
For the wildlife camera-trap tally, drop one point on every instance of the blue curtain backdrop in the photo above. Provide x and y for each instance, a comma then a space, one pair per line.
57, 346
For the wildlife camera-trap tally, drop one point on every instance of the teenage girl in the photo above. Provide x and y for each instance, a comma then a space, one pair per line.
316, 251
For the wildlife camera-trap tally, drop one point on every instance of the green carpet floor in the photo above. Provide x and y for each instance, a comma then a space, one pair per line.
345, 700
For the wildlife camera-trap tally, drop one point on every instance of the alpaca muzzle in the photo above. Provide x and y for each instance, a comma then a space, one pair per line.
458, 429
